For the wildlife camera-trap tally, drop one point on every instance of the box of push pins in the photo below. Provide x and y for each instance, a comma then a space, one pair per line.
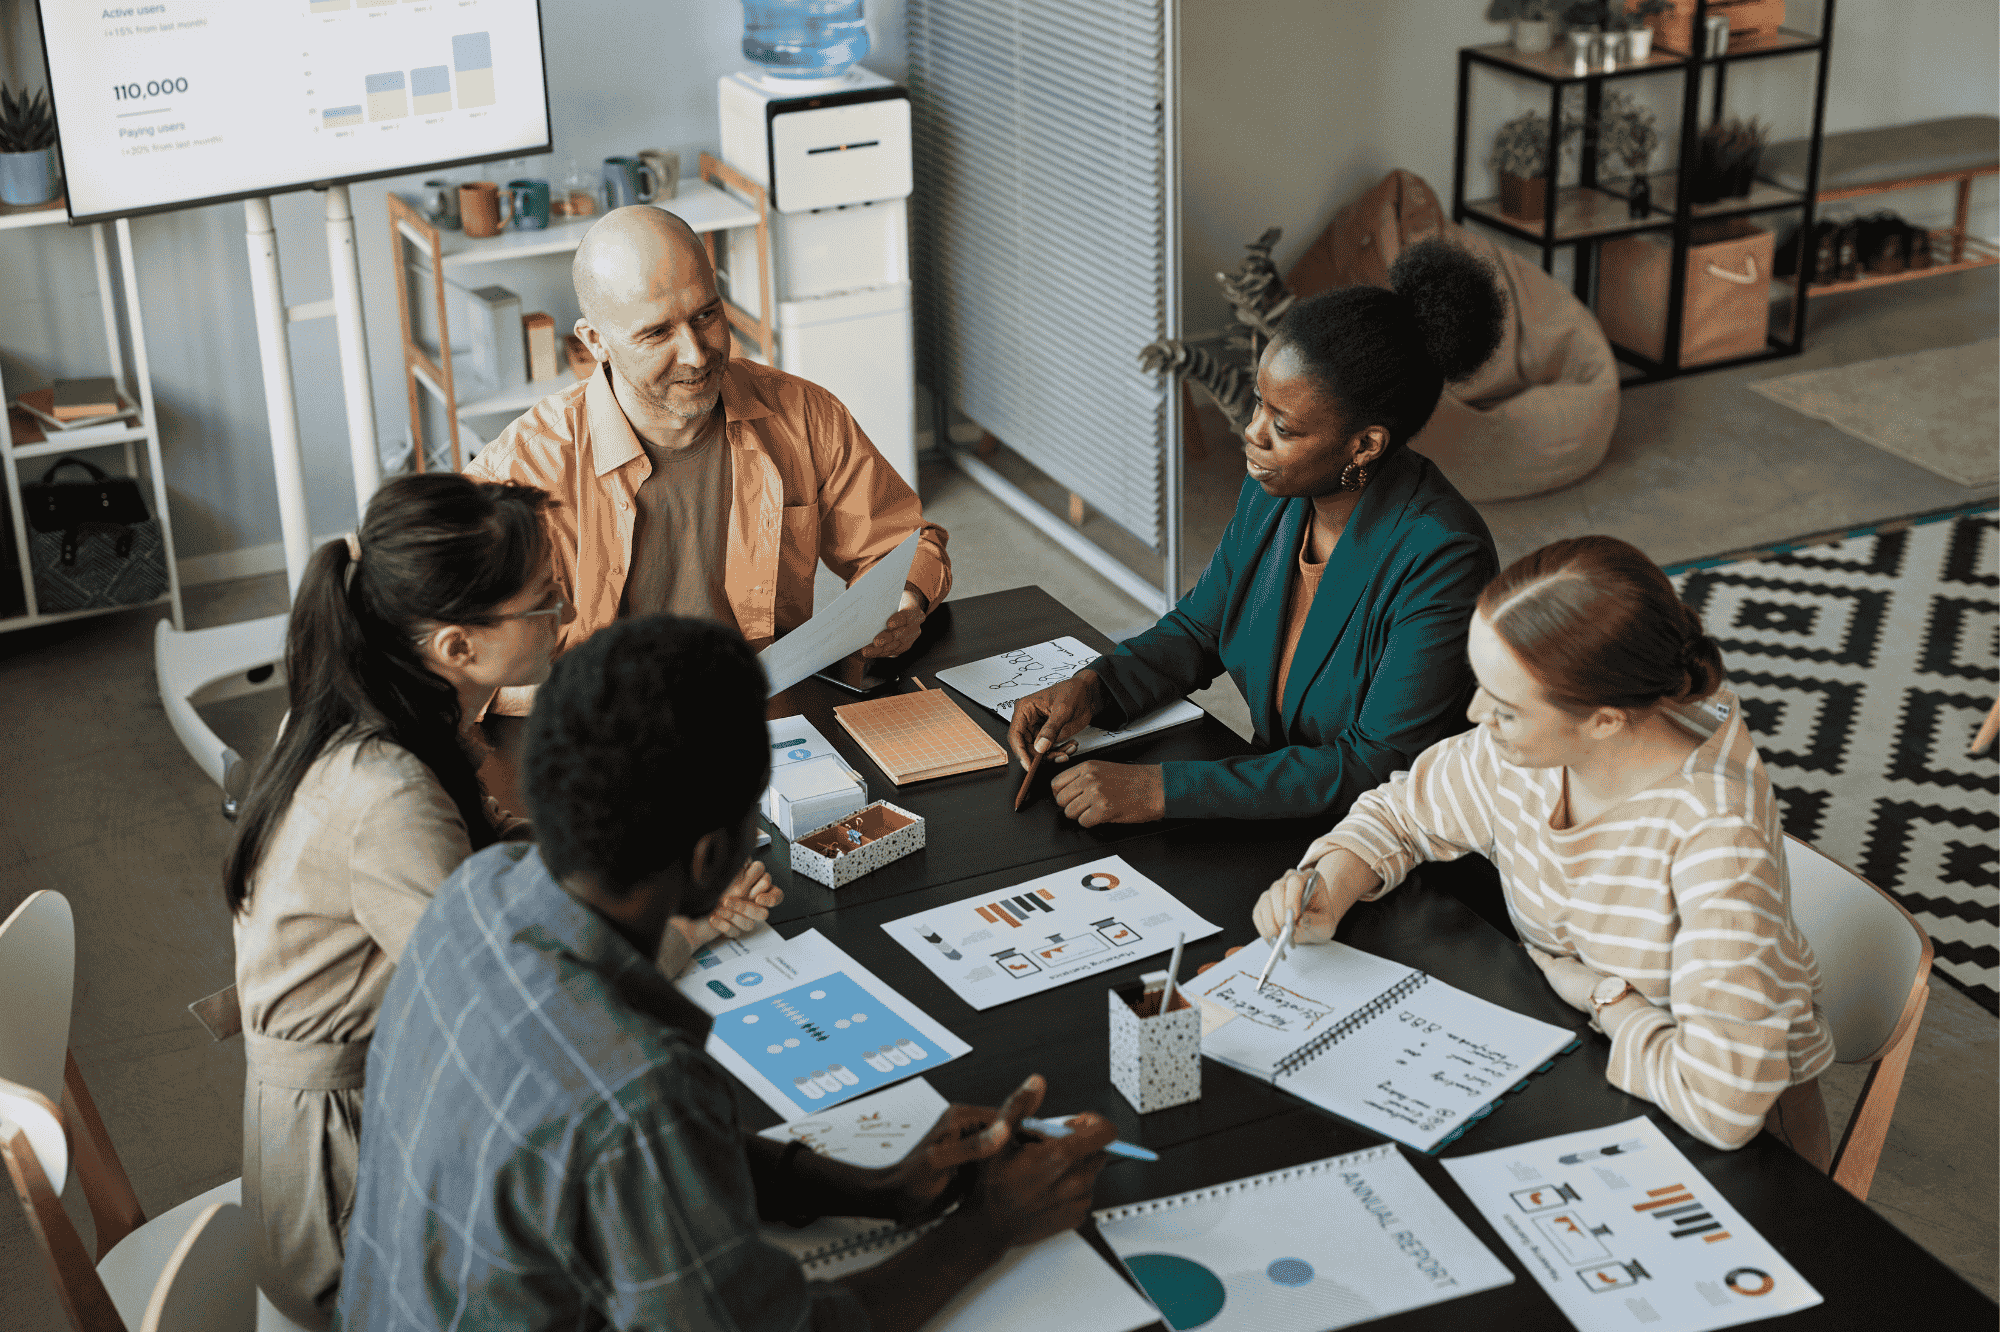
865, 840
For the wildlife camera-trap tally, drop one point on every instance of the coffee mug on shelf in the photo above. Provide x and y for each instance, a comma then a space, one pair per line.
481, 210
627, 180
666, 171
531, 204
440, 203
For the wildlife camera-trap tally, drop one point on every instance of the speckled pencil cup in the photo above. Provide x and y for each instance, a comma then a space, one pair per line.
1155, 1059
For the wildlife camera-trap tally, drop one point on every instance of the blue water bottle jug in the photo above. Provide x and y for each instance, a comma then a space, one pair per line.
804, 39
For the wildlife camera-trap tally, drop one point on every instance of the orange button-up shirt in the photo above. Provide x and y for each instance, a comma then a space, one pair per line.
807, 485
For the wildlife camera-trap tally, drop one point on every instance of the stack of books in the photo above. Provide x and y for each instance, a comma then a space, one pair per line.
70, 404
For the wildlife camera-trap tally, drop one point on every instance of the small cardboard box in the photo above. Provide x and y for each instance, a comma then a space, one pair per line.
813, 794
1155, 1057
834, 857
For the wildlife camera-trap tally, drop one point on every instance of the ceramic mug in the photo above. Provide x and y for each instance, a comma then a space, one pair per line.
627, 180
479, 207
530, 204
666, 171
441, 203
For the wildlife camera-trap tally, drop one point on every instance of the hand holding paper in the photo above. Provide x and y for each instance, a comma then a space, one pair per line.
848, 625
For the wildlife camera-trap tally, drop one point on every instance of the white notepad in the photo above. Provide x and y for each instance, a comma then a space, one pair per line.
1323, 1245
1382, 1044
1060, 1282
997, 683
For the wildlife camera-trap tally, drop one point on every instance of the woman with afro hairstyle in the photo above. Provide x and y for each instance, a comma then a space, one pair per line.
1339, 596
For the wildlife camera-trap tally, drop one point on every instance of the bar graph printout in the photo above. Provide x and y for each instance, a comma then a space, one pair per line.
805, 1026
1008, 944
1623, 1232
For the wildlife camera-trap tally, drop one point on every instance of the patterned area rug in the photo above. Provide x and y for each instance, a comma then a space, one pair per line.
1866, 661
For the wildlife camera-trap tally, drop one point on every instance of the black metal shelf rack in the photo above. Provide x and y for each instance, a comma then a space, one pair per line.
1583, 215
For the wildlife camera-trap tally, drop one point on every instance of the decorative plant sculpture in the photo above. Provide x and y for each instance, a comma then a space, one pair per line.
1257, 294
27, 124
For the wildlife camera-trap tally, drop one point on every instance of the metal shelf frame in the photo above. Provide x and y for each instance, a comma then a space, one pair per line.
1672, 212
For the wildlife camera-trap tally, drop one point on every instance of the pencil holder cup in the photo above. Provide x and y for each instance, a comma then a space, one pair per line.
1155, 1056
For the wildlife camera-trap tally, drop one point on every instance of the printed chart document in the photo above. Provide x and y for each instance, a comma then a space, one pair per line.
1623, 1233
1323, 1245
1371, 1040
1002, 946
997, 683
1058, 1283
807, 1027
871, 1132
848, 625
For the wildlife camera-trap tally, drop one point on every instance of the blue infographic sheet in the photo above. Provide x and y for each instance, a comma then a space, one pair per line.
807, 1027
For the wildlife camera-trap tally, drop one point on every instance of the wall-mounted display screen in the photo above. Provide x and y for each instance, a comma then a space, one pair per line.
165, 105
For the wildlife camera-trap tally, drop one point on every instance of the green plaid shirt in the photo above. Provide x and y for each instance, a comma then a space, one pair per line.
545, 1144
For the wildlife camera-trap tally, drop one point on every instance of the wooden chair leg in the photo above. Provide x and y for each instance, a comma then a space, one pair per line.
1868, 1127
114, 1207
84, 1298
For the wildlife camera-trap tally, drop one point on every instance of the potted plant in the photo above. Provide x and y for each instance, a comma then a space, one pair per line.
1627, 133
1631, 21
1725, 160
1521, 156
1534, 26
27, 148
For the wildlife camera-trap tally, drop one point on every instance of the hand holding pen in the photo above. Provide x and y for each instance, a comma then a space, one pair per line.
1296, 905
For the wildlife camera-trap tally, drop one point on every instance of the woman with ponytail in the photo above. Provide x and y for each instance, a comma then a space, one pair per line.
1610, 778
368, 801
1339, 595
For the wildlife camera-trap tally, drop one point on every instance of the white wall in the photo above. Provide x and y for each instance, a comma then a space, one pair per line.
623, 74
1290, 108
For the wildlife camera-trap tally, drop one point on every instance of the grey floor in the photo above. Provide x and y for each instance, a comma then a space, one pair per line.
102, 805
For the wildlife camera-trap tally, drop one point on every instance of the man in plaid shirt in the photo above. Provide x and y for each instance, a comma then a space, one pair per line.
545, 1143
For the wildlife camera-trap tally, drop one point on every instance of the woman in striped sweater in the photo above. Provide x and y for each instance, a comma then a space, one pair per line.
1611, 780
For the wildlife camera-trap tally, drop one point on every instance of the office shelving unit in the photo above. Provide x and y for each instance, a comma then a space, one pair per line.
125, 434
1580, 217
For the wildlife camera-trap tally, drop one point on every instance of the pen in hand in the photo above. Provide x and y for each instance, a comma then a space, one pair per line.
1284, 941
1055, 1128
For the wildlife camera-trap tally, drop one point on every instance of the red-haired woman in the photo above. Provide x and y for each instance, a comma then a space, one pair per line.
1611, 780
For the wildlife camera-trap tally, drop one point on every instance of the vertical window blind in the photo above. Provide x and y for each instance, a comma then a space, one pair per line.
1042, 246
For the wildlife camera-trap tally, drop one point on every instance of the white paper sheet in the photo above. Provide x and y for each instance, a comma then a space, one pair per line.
871, 1132
997, 683
1623, 1233
848, 625
1380, 1043
1006, 945
1059, 1283
805, 1026
1323, 1245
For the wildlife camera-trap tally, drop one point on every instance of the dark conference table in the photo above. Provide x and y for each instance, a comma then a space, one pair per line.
1868, 1272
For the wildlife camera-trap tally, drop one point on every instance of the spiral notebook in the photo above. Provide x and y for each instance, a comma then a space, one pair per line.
1324, 1245
1389, 1047
1060, 1282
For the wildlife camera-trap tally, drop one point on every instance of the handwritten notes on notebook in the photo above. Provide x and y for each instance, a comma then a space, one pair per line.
1382, 1044
877, 1130
997, 683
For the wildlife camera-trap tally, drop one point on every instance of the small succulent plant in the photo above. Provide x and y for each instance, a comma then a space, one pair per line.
27, 123
1521, 148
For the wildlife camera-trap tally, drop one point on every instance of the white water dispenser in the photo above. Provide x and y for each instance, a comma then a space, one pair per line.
835, 155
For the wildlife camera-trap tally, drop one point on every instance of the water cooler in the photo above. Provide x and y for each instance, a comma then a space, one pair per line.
834, 153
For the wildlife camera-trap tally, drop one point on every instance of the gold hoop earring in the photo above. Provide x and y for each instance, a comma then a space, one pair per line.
1354, 477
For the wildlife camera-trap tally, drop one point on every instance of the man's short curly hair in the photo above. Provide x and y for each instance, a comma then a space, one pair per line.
646, 738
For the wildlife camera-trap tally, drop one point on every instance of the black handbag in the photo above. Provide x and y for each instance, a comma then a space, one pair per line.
92, 543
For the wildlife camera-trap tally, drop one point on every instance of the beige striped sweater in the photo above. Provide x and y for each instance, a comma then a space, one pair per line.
1680, 889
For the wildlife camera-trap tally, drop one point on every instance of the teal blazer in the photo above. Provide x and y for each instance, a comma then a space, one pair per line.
1380, 671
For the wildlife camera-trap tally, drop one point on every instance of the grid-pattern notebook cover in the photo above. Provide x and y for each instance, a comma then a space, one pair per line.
914, 737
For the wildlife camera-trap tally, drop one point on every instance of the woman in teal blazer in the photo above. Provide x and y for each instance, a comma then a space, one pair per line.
1340, 595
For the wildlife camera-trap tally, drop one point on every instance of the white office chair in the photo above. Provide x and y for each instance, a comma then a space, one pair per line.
207, 1285
1875, 965
198, 667
40, 1141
